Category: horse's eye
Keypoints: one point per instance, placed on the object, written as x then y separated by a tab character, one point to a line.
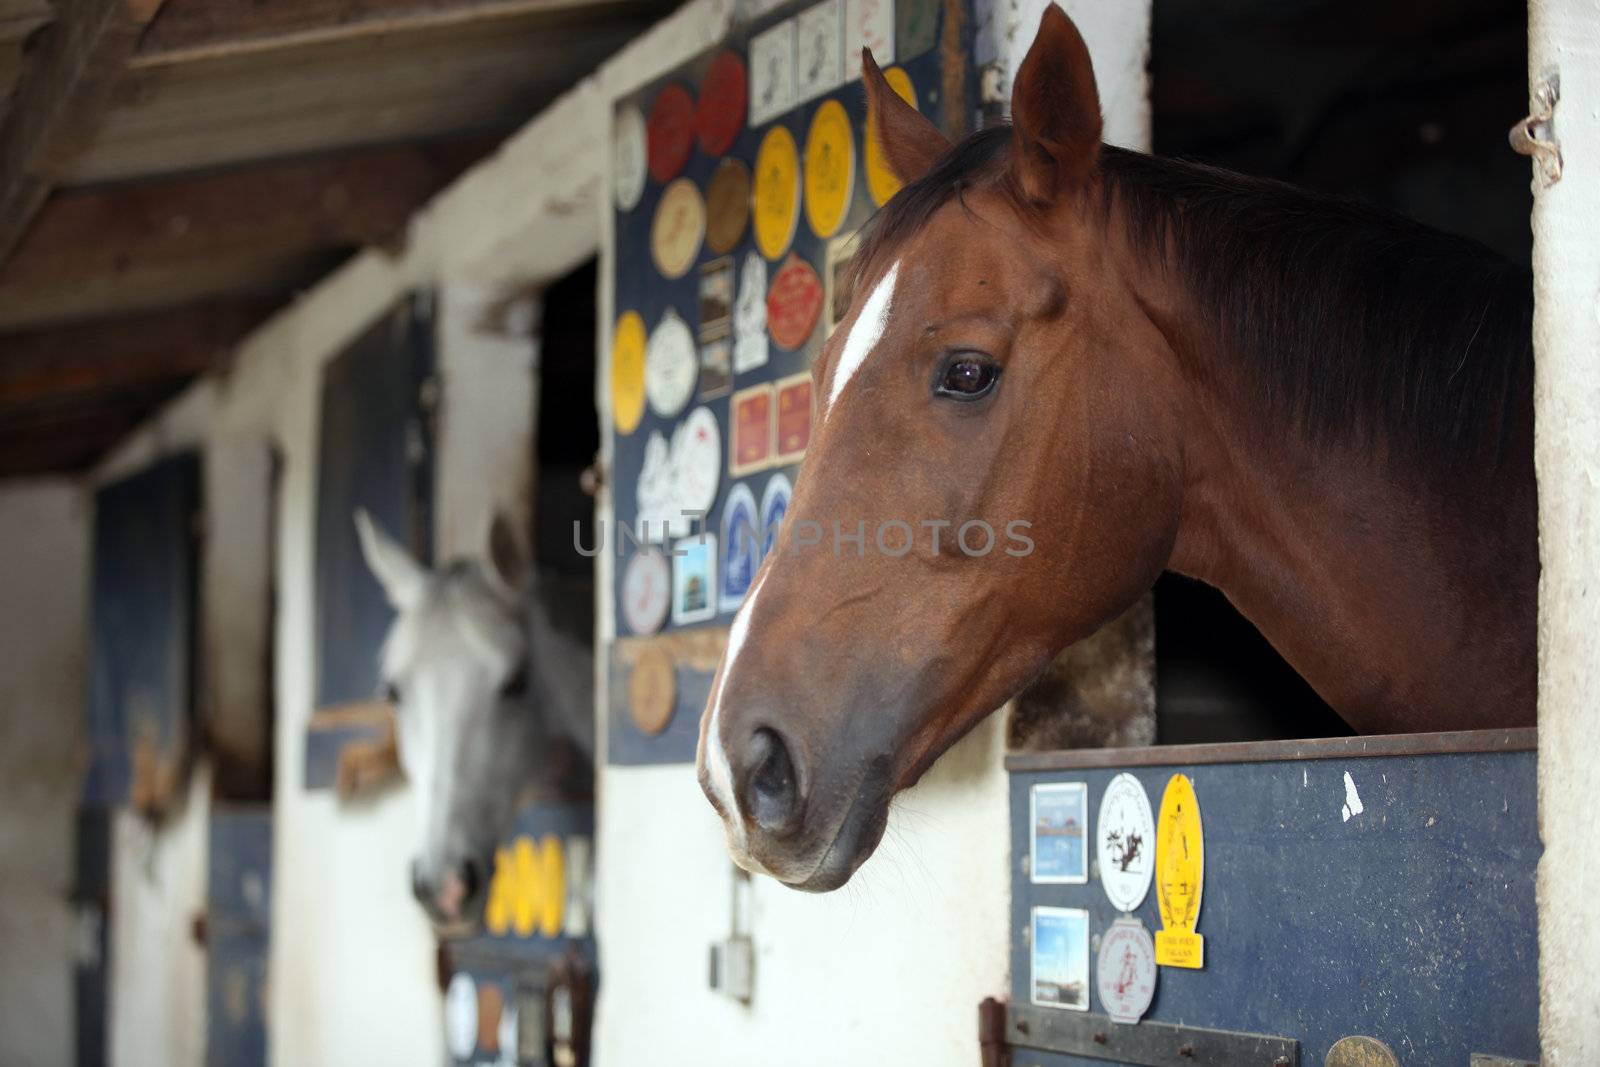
391	693
967	377
517	684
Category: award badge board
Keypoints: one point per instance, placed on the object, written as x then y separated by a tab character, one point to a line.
737	178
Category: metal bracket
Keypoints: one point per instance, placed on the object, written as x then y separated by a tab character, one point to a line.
1535	135
1147	1044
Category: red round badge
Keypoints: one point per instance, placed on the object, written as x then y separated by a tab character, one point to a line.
794	303
670	132
720	114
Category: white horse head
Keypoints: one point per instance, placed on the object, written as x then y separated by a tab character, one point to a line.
493	704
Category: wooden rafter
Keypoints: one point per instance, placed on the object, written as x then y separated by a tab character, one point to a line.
190	30
60	99
100	252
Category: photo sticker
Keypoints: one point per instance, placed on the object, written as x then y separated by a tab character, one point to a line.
1058	817
716	296
1060	972
694	569
716	366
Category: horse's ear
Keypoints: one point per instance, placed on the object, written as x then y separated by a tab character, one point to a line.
508	565
908	141
1055	111
403	578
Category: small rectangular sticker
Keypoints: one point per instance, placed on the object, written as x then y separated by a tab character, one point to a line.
694	570
716	373
716	297
750	430
867	24
819	49
772	84
1057	834
794	412
1059	953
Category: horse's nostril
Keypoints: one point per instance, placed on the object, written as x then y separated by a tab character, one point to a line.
471	879
772	795
419	889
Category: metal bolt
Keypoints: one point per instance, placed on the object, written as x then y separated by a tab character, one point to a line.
1099	1039
1186	1051
1022	1026
1283	1061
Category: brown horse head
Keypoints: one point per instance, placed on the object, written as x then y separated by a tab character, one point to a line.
994	474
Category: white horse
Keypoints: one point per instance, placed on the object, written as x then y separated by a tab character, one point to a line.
491	676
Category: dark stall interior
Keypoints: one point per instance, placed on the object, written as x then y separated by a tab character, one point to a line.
1404	105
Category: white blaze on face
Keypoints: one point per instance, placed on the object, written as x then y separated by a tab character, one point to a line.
719	769
865	333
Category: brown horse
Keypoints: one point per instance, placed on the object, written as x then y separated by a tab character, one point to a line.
1067	368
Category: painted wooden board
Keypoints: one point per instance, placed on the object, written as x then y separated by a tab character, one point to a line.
1387	895
375	453
539	934
141	691
238	934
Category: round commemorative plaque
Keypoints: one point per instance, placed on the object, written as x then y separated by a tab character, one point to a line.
677	229
628	158
830	169
646	591
1125	971
461	1016
794	303
775	201
652	689
671	367
727	205
627	372
720	114
696	465
670	132
1125	842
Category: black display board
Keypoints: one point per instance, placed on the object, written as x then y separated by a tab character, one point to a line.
723	98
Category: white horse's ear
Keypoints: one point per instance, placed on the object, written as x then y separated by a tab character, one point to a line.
402	577
508	564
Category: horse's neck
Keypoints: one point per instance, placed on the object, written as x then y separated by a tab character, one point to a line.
562	679
1407	604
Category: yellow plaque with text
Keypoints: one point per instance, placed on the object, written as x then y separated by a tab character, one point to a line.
1180	876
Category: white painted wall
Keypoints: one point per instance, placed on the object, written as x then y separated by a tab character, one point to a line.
157	979
893	966
44	627
1564	42
352	960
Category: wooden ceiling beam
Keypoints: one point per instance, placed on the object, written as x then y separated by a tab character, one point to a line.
120	249
60	99
42	368
192	30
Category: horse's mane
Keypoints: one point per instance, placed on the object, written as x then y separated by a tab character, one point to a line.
1353	321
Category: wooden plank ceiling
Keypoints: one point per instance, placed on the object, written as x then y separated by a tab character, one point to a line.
171	172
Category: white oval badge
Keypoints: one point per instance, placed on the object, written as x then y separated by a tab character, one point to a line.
671	366
1125	971
1125	842
628	158
461	1016
696	468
